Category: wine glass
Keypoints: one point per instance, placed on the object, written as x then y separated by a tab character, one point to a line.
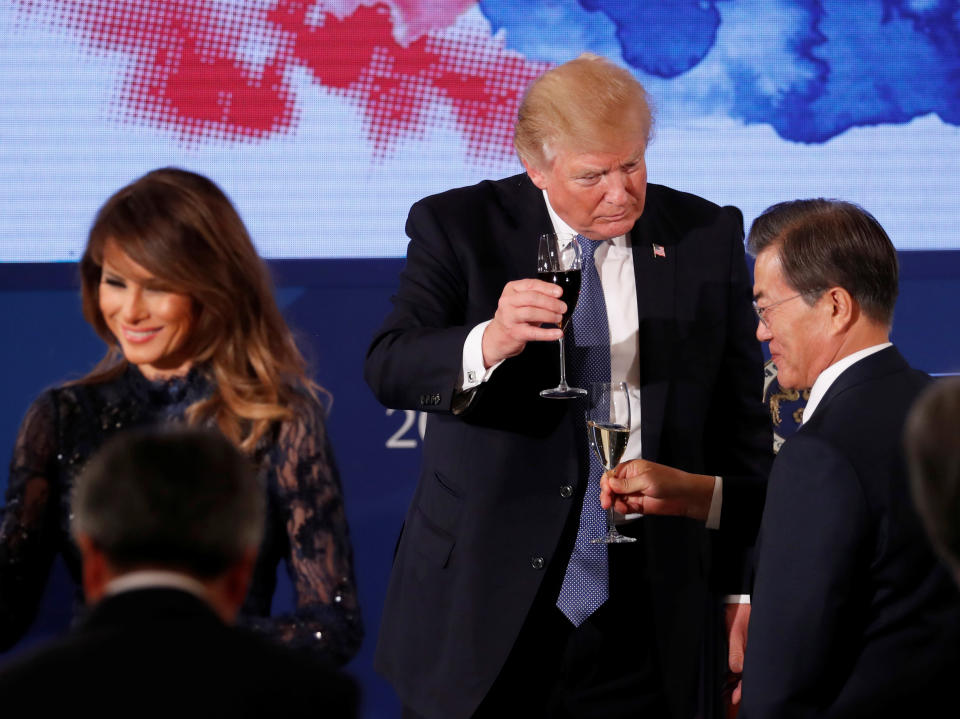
608	429
560	265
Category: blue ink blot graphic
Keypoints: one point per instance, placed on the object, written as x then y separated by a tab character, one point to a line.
810	69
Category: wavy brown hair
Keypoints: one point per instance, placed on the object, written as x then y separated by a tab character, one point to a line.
183	229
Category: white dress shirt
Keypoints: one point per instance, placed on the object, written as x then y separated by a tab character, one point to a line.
156	579
614	262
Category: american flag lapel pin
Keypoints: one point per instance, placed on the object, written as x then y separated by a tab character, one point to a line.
658	251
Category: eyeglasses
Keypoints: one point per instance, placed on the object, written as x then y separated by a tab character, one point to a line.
762	311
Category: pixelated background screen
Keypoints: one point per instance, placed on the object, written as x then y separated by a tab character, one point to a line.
324	121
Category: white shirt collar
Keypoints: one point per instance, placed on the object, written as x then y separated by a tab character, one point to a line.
156	579
830	374
565	232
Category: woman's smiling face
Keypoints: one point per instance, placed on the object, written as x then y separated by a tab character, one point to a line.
150	321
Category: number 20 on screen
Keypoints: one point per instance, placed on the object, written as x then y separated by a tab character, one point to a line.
406	437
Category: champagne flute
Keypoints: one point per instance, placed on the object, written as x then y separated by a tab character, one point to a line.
560	265
608	429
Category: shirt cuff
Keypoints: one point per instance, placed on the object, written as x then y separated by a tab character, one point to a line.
472	372
716	504
737	599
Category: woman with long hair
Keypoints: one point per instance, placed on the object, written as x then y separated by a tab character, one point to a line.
172	283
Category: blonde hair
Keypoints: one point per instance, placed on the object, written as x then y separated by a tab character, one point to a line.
583	103
183	229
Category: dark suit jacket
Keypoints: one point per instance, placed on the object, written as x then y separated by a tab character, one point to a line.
164	653
493	498
853	616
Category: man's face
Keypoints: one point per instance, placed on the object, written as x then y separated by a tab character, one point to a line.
800	341
601	193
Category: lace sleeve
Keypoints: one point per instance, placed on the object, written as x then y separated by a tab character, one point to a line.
28	522
320	561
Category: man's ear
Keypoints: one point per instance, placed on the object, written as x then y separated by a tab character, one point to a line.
537	175
96	569
844	310
228	591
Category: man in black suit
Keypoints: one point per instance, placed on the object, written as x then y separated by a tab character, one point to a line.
498	603
933	450
168	524
853	616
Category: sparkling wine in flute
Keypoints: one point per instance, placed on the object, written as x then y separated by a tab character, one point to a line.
608	441
569	282
608	431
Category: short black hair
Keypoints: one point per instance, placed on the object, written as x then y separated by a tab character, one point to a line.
831	243
183	498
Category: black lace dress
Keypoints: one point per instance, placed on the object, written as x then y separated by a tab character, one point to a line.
306	524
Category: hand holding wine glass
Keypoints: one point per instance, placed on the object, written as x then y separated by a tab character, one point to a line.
560	265
529	310
608	430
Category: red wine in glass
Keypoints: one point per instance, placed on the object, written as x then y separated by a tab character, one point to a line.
559	264
569	282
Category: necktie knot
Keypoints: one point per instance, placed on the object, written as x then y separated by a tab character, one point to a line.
590	341
588	247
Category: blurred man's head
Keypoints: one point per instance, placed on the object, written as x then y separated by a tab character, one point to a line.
182	500
582	134
825	285
933	450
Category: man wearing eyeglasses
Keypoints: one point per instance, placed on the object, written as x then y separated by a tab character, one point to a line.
852	614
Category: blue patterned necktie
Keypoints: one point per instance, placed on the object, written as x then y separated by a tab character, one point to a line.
586	582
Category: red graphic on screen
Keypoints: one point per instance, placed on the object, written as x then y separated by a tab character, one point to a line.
224	71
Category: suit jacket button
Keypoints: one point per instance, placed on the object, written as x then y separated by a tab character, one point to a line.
566	491
536	562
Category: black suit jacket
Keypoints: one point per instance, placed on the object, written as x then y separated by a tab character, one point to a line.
164	653
493	497
853	616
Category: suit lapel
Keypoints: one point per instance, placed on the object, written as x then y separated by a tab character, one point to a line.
656	279
524	205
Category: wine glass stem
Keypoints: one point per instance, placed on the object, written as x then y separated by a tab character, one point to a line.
563	366
611	521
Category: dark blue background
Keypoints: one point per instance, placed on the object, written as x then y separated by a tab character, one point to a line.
334	306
